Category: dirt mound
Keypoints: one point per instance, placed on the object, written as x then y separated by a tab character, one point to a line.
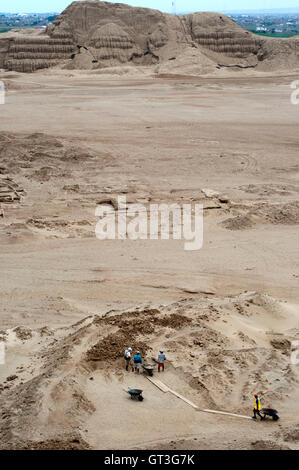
111	348
282	214
217	366
268	445
241	222
131	327
291	433
54	444
114	34
52	388
287	214
23	333
36	150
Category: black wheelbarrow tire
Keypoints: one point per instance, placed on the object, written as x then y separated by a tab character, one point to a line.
140	397
275	417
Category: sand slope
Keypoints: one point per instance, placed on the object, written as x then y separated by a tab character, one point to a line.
73	393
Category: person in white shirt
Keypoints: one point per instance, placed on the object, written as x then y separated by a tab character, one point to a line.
128	355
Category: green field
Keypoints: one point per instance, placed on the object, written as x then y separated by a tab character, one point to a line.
4	29
275	35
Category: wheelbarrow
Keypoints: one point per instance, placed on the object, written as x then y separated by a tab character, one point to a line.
149	368
270	412
136	394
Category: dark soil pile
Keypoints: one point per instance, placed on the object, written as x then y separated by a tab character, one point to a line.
131	325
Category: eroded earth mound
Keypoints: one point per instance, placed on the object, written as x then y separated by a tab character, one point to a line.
93	34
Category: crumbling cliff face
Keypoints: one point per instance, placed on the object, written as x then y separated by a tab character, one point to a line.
4	47
117	34
29	54
221	34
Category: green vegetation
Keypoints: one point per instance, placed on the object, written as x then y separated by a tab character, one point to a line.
52	18
10	21
4	29
274	35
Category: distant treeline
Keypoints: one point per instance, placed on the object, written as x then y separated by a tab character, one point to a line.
4	29
274	35
28	22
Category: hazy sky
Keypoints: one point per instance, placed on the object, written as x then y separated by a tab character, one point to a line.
24	6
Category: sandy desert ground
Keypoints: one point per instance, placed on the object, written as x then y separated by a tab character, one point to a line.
225	315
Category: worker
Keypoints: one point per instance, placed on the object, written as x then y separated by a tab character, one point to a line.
128	354
137	361
257	407
161	360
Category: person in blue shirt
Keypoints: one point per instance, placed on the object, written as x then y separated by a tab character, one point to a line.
161	360
137	362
